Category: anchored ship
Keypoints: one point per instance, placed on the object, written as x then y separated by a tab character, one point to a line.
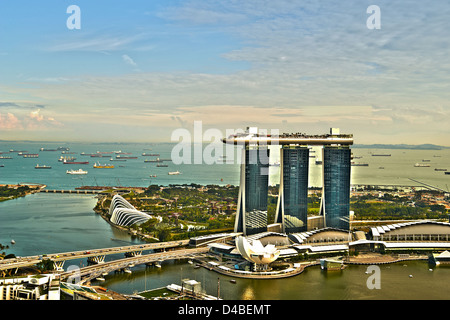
42	167
103	166
79	171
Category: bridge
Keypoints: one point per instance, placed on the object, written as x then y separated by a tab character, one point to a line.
71	191
85	274
93	255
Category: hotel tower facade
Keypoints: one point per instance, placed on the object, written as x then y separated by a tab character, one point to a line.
292	206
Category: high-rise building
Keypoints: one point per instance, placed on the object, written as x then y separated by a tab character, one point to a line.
335	202
251	216
292	207
291	213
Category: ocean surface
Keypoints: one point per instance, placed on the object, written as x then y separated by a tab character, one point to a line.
396	169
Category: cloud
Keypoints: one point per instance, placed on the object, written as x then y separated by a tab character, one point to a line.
9	122
13	105
33	120
93	42
128	60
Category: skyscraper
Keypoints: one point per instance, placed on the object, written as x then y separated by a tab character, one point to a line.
251	216
291	212
335	203
292	207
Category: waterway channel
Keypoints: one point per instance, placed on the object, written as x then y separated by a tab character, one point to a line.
52	223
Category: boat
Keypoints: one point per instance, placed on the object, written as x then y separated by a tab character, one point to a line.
112	159
151	154
62	158
380	155
5	157
42	167
127	270
380	167
12	241
162	165
421	165
153	176
447	172
233	281
75	162
125	157
44	149
100	279
425	160
153	160
360	164
174	173
103	166
437	169
331	264
79	171
30	155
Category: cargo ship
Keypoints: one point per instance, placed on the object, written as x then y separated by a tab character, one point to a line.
174	173
61	159
42	167
103	166
79	171
151	154
30	155
75	162
422	165
154	160
161	165
125	157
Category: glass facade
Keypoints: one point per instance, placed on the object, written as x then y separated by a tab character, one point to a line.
254	188
292	208
335	205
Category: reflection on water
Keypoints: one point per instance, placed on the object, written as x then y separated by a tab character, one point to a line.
313	284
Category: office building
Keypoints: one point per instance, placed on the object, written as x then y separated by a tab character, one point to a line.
335	202
251	216
292	207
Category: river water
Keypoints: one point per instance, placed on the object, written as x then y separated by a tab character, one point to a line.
52	223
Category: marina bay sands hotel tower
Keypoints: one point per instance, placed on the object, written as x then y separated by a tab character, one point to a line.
291	213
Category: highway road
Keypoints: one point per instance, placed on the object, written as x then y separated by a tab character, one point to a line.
19	262
90	272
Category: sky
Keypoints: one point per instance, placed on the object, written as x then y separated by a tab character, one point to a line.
136	71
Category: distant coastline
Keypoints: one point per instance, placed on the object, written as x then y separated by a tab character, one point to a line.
426	146
401	146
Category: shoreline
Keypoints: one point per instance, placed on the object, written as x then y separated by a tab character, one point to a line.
380	260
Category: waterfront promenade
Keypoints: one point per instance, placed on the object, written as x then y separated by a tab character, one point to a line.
298	268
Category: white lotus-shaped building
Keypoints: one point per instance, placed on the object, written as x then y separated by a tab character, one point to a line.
124	214
256	253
